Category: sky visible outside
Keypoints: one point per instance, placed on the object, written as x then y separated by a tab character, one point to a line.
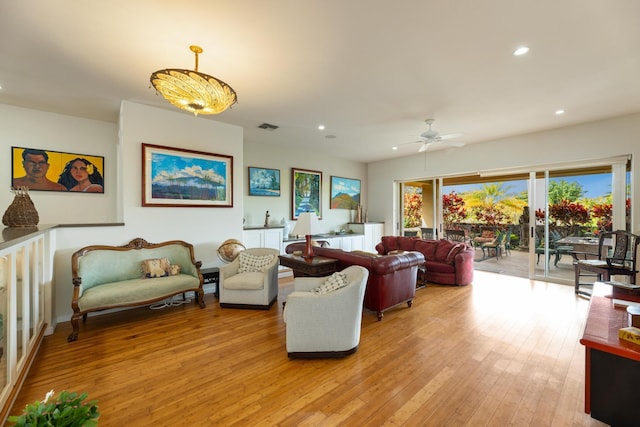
594	186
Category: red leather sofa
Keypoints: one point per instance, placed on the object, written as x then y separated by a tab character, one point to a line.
446	262
392	278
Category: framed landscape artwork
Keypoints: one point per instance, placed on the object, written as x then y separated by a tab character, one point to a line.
306	191
345	193
264	182
46	170
185	178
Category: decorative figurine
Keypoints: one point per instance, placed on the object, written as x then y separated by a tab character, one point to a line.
266	219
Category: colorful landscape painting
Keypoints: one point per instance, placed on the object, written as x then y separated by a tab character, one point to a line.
264	182
345	193
175	177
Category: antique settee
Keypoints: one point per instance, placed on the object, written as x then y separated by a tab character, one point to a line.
446	262
138	273
392	279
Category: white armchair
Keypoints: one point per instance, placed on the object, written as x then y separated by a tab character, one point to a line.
250	289
325	325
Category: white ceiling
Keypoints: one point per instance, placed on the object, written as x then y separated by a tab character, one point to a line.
371	71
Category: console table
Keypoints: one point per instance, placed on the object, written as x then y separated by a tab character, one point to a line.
311	267
612	366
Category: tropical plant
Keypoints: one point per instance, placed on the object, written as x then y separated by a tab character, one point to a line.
453	210
603	213
412	207
570	214
66	409
492	197
560	190
492	215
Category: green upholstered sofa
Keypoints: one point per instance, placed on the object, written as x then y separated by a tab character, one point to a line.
106	277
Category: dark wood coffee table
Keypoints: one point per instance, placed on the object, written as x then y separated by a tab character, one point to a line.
317	266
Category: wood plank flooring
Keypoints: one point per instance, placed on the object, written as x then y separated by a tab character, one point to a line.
503	351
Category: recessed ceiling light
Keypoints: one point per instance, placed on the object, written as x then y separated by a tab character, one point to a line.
521	51
321	127
394	148
559	112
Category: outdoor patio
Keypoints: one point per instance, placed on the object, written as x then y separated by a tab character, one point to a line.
517	264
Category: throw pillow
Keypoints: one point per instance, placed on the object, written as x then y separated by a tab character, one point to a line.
334	282
174	269
250	263
155	267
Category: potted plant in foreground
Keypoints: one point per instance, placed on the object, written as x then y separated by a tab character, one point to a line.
66	409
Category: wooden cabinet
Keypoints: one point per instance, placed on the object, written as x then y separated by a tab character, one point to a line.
263	237
372	232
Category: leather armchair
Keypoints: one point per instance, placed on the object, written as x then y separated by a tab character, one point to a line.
325	325
392	278
257	290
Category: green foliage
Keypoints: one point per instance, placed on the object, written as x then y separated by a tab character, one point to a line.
560	190
412	207
67	409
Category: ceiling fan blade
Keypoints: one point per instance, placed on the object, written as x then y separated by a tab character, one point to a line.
450	136
423	147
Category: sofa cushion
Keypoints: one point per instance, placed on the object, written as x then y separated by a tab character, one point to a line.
444	246
455	250
438	267
250	281
427	248
390	242
253	263
334	282
407	244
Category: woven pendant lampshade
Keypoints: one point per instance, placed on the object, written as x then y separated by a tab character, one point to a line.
193	91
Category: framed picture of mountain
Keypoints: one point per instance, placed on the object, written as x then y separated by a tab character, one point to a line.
345	193
185	178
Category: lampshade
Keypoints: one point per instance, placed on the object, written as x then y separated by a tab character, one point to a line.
190	90
307	224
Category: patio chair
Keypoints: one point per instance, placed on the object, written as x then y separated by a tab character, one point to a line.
540	250
456	235
427	233
560	249
617	254
496	245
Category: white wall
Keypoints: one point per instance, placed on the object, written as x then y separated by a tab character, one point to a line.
585	142
257	154
21	127
205	228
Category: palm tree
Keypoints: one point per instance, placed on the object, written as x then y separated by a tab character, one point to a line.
493	196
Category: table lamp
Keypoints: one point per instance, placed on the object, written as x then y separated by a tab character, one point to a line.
307	225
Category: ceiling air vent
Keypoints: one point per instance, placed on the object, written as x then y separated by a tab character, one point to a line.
267	126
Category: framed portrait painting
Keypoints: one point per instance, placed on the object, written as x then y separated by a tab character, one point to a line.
47	170
345	193
306	191
264	182
185	178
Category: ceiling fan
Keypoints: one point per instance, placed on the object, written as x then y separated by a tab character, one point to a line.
431	136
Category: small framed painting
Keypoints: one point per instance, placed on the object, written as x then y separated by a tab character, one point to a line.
46	170
306	191
345	193
264	182
186	178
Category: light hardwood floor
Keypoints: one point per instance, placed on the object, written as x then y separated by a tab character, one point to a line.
503	351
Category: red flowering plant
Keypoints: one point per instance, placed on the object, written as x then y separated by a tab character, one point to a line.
570	214
491	215
604	214
540	215
412	209
453	210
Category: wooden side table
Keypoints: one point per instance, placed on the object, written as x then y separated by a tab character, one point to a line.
317	266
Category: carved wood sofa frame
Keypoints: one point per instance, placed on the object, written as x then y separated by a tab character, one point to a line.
106	277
